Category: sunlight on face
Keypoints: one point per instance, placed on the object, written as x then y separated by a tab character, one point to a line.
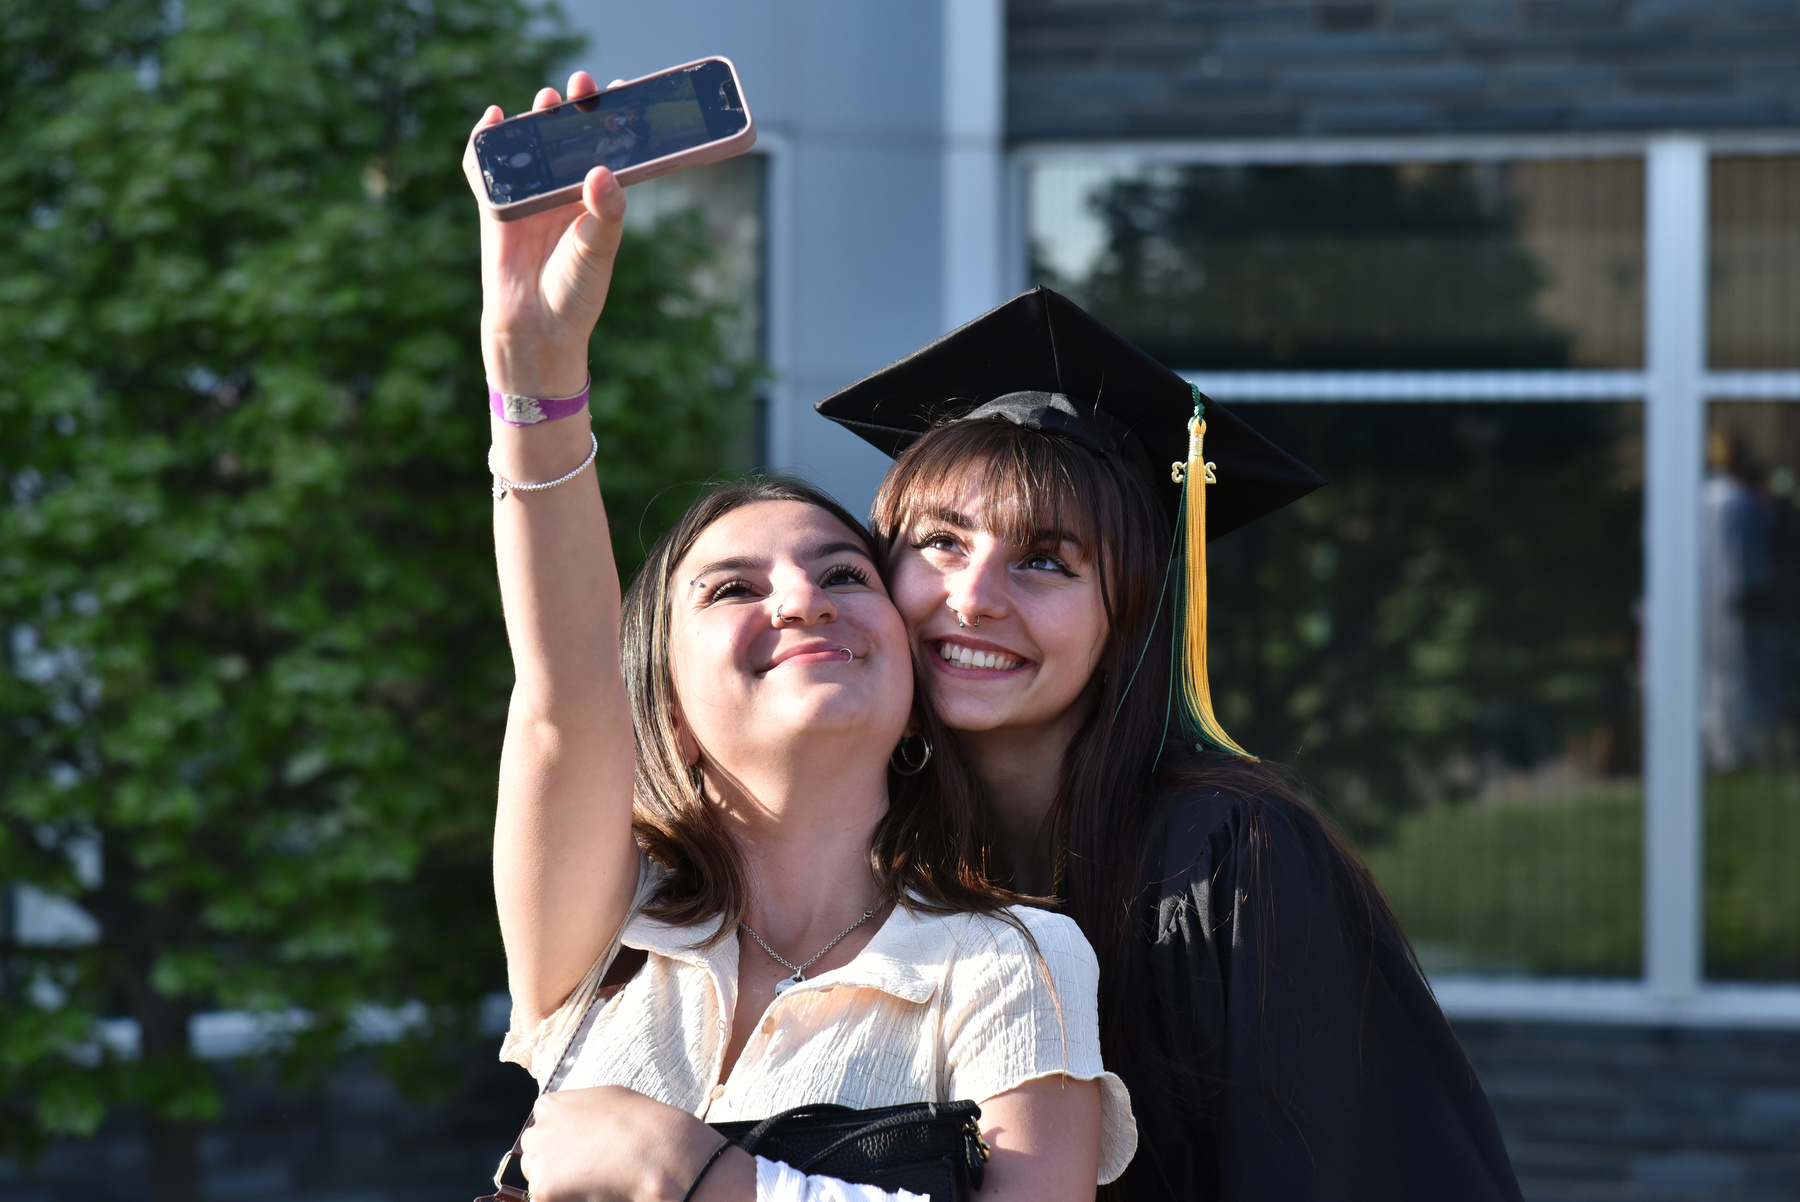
1042	619
835	663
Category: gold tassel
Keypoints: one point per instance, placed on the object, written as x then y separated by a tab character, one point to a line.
1199	725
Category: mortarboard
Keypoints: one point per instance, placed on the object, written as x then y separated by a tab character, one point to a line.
1041	362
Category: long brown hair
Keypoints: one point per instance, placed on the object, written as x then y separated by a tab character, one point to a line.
924	850
1122	767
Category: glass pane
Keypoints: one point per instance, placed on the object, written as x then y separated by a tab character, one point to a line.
1754	318
1750	707
727	198
1444	643
1535	264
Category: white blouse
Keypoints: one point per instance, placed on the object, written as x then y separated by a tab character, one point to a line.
933	1009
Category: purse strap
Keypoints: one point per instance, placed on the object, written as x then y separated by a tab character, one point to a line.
502	1191
975	1149
879	1125
753	1137
625	966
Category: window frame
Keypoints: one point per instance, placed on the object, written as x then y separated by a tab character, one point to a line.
1675	385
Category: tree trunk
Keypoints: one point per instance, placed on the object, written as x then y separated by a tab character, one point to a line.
175	1173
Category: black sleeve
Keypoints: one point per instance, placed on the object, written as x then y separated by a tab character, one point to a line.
1314	1061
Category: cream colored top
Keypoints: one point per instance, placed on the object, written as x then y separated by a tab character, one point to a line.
934	1009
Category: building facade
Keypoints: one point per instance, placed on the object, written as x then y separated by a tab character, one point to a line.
1521	278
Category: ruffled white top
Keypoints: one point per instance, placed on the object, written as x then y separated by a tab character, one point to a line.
934	1009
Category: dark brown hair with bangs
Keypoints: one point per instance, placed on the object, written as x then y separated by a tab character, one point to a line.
1034	483
925	848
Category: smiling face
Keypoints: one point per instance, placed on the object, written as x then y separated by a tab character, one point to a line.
1011	629
752	684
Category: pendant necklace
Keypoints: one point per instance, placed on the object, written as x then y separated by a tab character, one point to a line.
799	970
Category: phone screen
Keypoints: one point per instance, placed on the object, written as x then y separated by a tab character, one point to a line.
620	128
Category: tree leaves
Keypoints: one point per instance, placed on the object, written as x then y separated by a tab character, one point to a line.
245	568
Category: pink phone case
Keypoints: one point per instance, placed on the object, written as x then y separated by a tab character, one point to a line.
637	173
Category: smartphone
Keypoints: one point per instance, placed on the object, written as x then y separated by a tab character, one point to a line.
682	117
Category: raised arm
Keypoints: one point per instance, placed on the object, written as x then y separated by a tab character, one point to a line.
565	864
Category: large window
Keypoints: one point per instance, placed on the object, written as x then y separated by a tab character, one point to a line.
1536	648
1389	265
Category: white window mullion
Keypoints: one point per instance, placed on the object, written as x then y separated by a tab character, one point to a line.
1675	439
974	252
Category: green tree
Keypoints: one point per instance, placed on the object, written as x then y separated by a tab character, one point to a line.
245	577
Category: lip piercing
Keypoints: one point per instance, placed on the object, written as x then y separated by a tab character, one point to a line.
849	655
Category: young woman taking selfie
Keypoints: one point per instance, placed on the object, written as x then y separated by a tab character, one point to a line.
793	878
1257	995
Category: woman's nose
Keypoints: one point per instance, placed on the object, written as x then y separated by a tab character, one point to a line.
978	590
803	605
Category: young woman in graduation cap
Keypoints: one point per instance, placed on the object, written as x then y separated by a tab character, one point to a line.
1045	526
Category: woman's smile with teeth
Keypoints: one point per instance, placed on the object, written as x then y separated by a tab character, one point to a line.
968	657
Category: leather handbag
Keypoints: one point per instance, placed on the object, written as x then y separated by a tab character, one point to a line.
930	1148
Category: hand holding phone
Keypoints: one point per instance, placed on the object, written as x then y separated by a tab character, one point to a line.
545	277
637	129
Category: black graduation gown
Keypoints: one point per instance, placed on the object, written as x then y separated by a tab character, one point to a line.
1319	1064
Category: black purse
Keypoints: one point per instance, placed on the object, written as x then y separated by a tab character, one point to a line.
930	1148
925	1148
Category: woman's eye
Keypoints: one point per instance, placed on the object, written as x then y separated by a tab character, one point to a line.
936	542
1043	561
843	575
729	589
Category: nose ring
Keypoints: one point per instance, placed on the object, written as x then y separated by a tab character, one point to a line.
849	655
781	617
965	625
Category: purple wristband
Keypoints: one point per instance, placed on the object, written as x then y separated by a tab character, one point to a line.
530	410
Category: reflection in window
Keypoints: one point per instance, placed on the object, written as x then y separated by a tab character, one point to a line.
1754	311
1407	265
1443	641
725	200
1750	701
721	204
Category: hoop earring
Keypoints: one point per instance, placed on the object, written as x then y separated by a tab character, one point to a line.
903	764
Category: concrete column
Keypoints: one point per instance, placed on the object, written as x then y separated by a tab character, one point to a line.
974	201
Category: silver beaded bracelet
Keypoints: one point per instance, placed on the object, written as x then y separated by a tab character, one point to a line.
501	483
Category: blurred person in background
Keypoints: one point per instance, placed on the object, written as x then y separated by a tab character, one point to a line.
723	767
1739	698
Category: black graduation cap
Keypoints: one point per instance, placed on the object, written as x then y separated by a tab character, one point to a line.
1040	361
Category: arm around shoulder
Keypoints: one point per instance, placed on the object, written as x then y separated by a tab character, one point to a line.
1022	1037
